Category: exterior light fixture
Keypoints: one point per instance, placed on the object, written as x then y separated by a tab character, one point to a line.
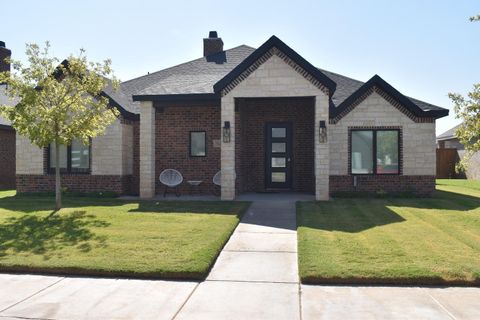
323	131
226	132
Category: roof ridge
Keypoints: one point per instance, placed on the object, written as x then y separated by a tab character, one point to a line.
181	64
341	75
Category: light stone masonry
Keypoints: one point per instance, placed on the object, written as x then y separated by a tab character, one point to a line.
419	155
147	150
29	157
274	78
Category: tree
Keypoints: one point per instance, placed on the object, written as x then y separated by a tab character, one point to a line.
468	109
59	102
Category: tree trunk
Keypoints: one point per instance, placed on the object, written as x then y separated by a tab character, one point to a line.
58	187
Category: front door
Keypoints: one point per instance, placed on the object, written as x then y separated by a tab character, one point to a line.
278	157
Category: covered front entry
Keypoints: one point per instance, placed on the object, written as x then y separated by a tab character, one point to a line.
275	144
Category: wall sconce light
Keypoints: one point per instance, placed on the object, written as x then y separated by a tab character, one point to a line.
226	131
323	131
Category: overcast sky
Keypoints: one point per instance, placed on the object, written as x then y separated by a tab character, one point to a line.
425	49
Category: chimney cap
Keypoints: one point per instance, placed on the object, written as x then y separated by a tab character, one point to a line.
213	34
2	44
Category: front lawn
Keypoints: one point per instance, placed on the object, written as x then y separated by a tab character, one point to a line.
102	236
393	241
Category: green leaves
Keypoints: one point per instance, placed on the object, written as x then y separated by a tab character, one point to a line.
59	101
468	109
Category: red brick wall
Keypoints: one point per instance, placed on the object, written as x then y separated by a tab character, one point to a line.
172	145
252	116
417	185
74	183
7	159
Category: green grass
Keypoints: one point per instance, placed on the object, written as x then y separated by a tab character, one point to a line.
433	241
101	236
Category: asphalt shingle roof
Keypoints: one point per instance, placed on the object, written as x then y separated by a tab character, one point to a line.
449	134
199	76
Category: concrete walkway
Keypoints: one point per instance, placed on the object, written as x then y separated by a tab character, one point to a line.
255	277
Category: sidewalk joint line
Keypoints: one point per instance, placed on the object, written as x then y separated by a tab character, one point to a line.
186	300
441	305
252	281
30	296
261	251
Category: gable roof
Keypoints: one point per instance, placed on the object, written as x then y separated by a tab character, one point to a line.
410	105
200	79
262	50
449	134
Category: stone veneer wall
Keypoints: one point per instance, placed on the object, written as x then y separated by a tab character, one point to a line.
172	146
418	157
111	164
274	76
250	146
7	159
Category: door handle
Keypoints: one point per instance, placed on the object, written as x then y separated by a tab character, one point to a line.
288	159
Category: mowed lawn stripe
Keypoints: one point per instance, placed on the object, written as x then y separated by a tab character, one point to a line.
391	240
96	236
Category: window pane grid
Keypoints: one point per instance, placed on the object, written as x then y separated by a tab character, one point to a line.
375	151
74	158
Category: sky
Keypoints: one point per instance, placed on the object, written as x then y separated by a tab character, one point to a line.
425	49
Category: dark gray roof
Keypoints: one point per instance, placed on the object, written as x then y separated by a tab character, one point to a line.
449	134
196	76
346	86
199	76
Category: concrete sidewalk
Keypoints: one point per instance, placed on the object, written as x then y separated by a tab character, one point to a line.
255	277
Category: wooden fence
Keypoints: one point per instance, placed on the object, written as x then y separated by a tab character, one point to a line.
446	160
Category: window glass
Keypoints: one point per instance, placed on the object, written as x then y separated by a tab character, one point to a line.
279	147
362	152
63	156
278	162
387	152
279	132
197	144
80	155
278	177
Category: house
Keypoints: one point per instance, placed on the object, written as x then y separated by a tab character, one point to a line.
450	151
266	117
7	133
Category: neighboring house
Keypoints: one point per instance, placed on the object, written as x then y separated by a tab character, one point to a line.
450	151
266	117
7	134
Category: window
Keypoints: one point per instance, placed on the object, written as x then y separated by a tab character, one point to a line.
375	151
198	145
73	159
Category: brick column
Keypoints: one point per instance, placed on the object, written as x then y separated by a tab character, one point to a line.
228	150
147	150
322	150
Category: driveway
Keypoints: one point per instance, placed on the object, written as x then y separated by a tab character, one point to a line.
255	277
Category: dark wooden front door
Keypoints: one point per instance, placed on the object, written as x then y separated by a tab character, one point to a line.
278	155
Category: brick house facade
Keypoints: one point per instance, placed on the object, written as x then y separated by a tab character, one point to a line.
267	118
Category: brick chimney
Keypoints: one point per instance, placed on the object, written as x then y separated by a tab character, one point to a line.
213	44
4	53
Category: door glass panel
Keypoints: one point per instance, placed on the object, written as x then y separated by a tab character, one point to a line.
278	177
278	162
279	132
279	147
